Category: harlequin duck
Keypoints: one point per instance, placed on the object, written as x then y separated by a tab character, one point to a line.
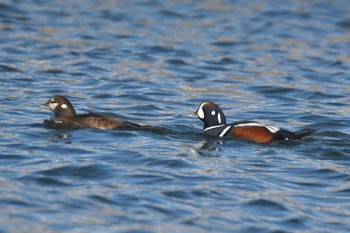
215	125
65	117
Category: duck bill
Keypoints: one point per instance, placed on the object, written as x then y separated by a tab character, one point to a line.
45	105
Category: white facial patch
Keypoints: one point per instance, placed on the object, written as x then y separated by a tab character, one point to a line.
213	113
200	112
53	106
64	106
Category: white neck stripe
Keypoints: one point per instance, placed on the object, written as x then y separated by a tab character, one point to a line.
213	127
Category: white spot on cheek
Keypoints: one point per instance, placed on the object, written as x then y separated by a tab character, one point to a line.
53	106
213	113
64	106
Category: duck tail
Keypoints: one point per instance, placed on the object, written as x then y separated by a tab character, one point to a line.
303	133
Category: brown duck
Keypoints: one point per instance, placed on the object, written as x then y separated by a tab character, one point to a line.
66	117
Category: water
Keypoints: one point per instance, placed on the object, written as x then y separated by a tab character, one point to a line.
153	63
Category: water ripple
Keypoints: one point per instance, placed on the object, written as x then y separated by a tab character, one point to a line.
153	63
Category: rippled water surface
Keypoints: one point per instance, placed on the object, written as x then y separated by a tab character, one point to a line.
154	62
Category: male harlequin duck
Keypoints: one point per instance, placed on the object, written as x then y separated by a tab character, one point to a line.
215	125
65	117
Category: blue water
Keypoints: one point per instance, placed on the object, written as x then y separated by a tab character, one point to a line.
153	63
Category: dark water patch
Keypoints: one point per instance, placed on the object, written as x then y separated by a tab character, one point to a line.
95	69
148	179
344	24
182	132
11	14
336	64
282	91
194	178
8	68
89	172
309	184
296	223
214	68
227	43
3	6
345	192
320	77
54	71
103	96
103	199
171	13
145	57
170	163
226	61
14	202
277	13
156	49
99	53
177	62
125	157
208	193
123	36
178	194
113	16
331	174
334	136
17	51
147	108
12	158
336	155
327	128
51	57
135	97
44	181
126	200
267	207
324	62
160	49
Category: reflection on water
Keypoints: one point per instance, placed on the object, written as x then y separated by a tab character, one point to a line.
153	62
60	138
